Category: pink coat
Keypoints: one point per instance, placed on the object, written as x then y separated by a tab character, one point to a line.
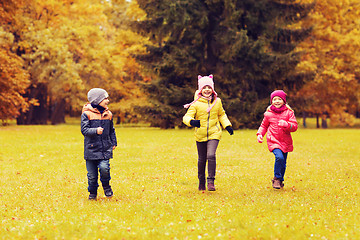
278	137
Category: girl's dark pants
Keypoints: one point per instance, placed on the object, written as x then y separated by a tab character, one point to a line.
207	152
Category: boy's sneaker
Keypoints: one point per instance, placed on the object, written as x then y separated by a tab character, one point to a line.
108	192
276	183
92	196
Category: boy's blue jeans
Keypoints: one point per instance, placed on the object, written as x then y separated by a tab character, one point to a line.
280	163
93	168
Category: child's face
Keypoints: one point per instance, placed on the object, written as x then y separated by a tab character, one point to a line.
206	91
104	103
277	102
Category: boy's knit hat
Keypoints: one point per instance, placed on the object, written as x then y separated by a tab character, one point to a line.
96	95
278	93
202	82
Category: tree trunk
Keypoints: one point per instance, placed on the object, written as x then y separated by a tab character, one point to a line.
317	121
35	114
120	118
304	119
58	112
324	122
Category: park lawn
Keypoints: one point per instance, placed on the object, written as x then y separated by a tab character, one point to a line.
43	192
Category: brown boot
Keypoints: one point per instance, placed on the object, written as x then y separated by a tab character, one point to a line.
276	183
202	186
211	187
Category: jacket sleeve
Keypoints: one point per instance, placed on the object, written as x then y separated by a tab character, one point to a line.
224	120
263	126
293	125
190	115
86	130
112	133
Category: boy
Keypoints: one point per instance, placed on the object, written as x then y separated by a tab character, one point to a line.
99	140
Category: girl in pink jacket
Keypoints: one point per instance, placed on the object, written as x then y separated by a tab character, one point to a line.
279	121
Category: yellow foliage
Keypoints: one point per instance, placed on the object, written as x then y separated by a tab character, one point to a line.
71	47
135	12
331	53
13	79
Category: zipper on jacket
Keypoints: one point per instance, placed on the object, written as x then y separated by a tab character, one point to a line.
217	126
208	123
101	137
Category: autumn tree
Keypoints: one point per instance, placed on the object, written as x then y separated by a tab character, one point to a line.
43	42
13	78
128	44
331	55
246	45
69	47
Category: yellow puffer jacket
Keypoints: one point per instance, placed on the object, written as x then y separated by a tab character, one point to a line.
209	121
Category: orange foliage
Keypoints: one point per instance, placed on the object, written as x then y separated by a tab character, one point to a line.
69	46
332	55
13	82
13	77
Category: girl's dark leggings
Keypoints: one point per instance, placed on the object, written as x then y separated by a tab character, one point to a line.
207	151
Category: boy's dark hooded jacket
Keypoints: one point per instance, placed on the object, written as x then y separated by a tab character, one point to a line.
97	147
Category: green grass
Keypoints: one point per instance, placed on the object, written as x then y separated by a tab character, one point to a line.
43	193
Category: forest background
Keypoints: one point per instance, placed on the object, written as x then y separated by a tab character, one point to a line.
147	55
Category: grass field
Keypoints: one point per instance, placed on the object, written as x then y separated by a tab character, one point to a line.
43	191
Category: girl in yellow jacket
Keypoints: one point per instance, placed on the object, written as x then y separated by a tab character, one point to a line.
206	113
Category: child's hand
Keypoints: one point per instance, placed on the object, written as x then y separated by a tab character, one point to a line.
230	130
260	138
283	124
195	123
99	130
